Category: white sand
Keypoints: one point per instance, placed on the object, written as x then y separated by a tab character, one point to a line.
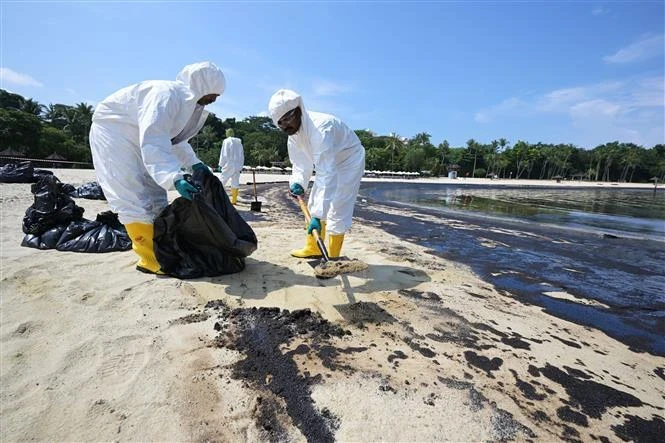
246	177
89	351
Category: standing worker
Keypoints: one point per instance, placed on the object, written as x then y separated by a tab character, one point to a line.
231	161
139	142
320	142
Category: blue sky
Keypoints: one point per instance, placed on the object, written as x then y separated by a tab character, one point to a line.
557	72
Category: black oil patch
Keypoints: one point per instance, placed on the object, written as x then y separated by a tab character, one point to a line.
395	355
505	426
660	372
424	351
419	295
328	355
482	362
516	342
361	313
260	333
591	397
641	430
567	414
527	389
533	371
268	421
570	343
577	373
191	318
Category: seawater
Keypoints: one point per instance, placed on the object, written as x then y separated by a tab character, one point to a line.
637	213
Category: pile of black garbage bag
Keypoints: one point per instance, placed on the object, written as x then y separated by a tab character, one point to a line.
21	172
25	172
90	191
204	237
54	221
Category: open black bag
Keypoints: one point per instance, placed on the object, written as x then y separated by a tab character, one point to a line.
205	237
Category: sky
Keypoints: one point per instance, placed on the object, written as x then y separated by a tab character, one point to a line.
581	72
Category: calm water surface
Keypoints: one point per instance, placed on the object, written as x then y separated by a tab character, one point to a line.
623	212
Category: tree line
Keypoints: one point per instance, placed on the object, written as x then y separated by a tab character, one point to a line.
37	131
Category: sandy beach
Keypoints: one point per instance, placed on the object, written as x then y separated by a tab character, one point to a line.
419	347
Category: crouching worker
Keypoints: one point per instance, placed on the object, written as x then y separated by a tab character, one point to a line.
323	143
231	160
139	141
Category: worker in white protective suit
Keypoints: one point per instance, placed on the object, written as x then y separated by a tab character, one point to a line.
320	142
231	161
139	141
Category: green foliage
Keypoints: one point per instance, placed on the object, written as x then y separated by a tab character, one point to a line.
19	131
38	131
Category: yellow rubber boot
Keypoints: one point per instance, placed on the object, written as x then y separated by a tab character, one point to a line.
311	249
234	196
335	245
141	235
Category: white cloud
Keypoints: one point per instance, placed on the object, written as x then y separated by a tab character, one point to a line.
327	88
593	108
649	46
600	11
16	78
630	110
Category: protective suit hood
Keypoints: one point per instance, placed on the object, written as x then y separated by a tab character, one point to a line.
202	79
282	102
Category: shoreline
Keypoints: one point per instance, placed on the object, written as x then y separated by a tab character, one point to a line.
246	178
432	348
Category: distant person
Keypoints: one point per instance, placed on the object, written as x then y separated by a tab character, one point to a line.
139	141
320	142
231	161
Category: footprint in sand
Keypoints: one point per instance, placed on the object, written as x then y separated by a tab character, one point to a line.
124	360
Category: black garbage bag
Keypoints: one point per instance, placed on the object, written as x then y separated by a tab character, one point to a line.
39	173
22	172
52	207
90	191
46	240
105	234
205	237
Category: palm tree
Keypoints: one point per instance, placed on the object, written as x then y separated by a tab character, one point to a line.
445	148
394	144
32	107
84	113
472	146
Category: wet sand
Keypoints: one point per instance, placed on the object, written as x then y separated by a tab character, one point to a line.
425	345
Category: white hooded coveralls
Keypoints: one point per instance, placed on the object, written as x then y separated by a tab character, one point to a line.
325	144
131	139
231	161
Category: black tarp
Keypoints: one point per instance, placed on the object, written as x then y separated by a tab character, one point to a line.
54	221
205	237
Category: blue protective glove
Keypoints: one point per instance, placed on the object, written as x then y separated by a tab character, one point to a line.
198	166
314	223
296	190
185	188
